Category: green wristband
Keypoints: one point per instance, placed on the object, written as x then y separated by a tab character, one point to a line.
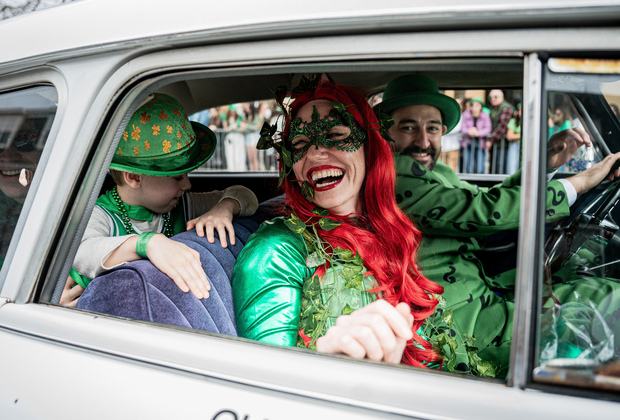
143	241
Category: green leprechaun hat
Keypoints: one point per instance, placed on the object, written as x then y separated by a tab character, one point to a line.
159	140
417	89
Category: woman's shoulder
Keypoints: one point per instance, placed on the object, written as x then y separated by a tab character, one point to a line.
275	231
276	226
272	248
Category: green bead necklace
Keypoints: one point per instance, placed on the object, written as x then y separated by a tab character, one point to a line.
125	216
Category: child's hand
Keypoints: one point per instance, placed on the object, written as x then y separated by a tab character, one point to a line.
181	263
219	217
70	293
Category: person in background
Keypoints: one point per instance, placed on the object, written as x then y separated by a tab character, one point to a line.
475	128
501	113
559	120
234	141
513	135
253	123
451	145
215	120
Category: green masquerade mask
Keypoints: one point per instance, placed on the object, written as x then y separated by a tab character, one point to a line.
348	136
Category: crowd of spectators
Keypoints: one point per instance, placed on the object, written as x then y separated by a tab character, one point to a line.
237	128
486	140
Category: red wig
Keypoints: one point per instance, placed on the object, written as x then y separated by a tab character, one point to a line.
382	235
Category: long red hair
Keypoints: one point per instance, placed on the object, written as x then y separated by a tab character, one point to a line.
382	235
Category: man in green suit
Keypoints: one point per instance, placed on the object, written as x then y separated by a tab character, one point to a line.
456	217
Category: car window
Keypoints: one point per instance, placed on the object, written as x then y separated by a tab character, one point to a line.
237	128
25	119
579	325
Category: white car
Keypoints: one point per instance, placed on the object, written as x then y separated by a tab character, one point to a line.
71	76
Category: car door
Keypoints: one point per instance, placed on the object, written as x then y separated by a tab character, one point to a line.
117	367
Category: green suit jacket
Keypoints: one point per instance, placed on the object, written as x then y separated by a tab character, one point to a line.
455	218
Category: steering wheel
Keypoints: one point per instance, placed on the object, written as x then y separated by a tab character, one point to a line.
594	223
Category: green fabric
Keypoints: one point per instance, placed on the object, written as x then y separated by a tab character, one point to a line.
556	129
267	284
106	202
276	295
454	225
134	212
512	125
159	140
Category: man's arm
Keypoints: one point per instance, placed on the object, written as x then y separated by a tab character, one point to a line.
441	207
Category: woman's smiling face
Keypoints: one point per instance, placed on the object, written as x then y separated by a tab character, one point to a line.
336	175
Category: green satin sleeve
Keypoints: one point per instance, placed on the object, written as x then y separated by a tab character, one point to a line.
267	284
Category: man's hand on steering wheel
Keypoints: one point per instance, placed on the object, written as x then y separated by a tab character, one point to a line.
563	145
593	176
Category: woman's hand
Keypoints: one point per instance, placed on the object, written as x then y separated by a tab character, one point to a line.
378	331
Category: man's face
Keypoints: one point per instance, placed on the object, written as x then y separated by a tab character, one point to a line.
417	132
496	97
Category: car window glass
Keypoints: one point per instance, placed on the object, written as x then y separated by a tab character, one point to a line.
579	327
25	119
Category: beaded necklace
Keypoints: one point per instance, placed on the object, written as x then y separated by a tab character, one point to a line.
125	216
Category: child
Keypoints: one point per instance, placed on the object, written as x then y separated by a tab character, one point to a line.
138	216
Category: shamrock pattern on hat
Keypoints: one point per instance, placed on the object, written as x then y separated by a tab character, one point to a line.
175	134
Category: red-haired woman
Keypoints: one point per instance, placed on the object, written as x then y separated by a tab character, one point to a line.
339	273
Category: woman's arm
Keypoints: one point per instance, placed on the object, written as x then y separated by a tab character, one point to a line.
267	284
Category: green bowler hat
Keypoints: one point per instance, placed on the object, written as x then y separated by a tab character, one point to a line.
161	141
417	89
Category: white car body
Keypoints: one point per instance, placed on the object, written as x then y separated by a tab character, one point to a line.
59	363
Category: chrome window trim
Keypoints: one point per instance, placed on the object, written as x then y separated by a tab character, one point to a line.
529	260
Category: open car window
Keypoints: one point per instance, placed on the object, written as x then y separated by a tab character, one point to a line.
578	331
237	128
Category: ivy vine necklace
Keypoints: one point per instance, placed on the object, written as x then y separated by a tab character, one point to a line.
122	210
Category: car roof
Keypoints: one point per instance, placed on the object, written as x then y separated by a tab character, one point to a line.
102	25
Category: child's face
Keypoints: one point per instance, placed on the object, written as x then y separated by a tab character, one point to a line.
160	194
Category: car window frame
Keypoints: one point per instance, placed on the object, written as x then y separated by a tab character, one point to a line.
571	382
12	265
